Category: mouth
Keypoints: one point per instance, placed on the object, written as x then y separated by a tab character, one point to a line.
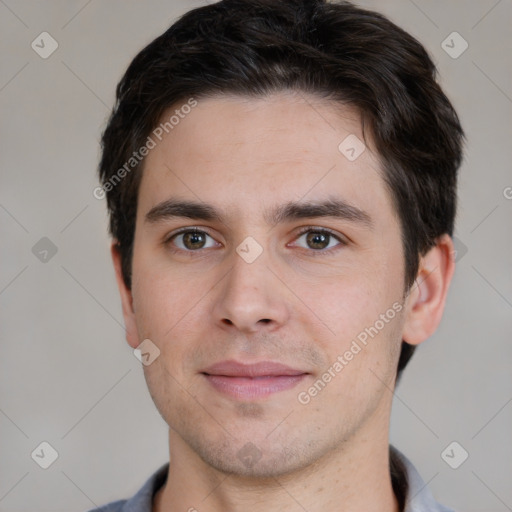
252	381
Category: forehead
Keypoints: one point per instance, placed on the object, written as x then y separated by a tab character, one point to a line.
241	152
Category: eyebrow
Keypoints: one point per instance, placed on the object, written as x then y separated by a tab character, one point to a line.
332	207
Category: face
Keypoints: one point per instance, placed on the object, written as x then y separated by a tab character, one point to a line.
260	243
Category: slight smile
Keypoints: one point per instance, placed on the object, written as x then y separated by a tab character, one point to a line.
252	381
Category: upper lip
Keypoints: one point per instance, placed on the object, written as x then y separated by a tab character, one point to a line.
232	368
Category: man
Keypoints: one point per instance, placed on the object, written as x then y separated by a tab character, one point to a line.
281	181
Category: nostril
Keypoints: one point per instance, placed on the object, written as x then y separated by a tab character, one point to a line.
230	322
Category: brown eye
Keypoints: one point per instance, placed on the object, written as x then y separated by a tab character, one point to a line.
192	240
318	240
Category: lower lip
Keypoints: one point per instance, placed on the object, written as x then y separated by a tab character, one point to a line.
247	388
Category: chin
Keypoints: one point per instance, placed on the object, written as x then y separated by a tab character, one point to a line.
258	460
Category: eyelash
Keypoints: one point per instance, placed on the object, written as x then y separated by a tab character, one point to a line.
307	229
322	231
170	238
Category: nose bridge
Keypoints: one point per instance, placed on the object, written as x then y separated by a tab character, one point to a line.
251	296
250	267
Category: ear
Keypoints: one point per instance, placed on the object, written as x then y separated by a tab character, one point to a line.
427	297
132	336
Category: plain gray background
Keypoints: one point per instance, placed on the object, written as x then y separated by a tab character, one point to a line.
67	375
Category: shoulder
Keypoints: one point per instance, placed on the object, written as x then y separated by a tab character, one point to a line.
142	501
115	506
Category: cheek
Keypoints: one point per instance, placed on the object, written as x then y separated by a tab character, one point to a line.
160	304
364	321
351	302
160	291
361	365
171	310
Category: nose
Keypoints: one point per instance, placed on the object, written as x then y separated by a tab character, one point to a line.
251	297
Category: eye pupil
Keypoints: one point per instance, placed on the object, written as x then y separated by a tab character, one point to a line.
317	240
193	240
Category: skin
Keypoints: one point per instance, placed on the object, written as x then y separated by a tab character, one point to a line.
298	303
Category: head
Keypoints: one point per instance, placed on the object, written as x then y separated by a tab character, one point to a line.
242	108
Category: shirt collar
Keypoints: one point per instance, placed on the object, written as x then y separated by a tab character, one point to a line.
412	490
408	485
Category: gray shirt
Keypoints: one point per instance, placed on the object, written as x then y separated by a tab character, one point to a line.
412	493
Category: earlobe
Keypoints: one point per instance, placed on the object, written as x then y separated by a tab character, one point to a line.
126	298
426	300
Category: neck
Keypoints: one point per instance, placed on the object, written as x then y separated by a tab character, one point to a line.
352	478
